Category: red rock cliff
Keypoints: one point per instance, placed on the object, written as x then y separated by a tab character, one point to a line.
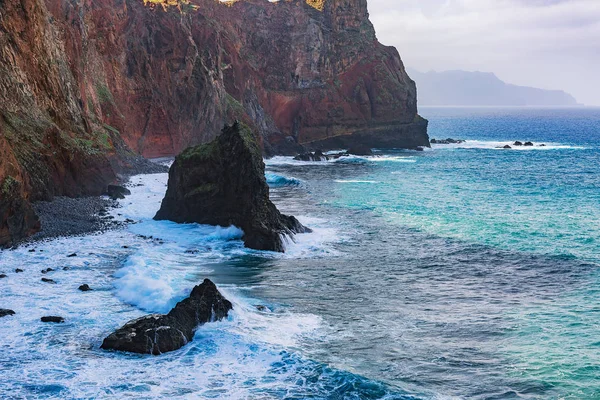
84	83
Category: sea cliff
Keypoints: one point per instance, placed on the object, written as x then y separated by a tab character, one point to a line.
87	86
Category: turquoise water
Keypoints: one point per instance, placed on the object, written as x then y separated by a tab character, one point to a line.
464	271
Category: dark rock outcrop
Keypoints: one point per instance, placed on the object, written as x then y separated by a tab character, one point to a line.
116	192
158	333
312	156
528	144
17	217
5	312
54	319
223	183
2	276
517	143
85	287
47	280
446	141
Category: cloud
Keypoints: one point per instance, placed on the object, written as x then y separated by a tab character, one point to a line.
552	44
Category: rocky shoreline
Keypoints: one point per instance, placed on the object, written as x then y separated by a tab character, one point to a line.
66	216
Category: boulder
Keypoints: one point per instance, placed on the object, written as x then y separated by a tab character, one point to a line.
48	280
117	192
446	141
507	147
517	143
223	183
2	276
85	287
5	312
54	319
360	150
528	144
161	333
18	270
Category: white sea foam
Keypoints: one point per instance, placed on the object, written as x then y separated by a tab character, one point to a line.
398	159
319	243
278	328
282	160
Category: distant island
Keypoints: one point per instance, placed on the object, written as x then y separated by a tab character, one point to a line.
464	88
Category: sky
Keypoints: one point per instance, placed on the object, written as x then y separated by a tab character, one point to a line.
550	44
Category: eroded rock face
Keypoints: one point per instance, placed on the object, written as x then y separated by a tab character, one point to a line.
223	183
17	218
158	333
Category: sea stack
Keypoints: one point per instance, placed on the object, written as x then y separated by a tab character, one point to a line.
223	183
158	333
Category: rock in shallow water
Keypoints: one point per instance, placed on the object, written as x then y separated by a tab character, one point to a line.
5	312
223	183
158	333
85	287
116	192
54	319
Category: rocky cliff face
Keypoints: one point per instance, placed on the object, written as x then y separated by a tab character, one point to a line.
86	84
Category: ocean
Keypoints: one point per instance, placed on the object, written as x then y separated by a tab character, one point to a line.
461	272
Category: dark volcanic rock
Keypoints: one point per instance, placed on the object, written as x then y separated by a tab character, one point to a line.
72	255
56	320
507	147
446	141
4	312
158	333
48	280
310	156
517	143
18	270
223	183
117	192
17	218
528	144
2	276
85	287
